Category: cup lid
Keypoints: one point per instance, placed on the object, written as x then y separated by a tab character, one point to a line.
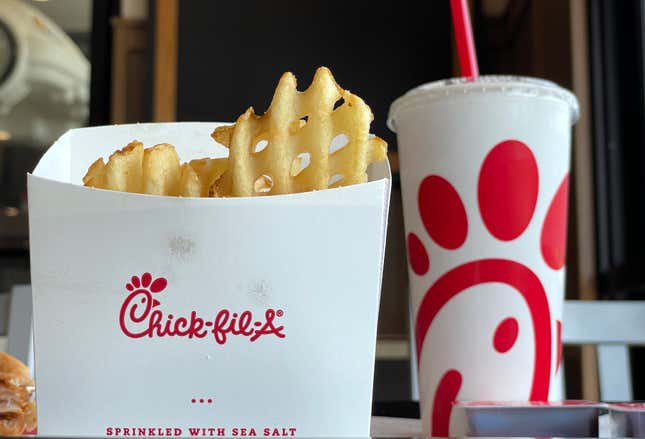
511	85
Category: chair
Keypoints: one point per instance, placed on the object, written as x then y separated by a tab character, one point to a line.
612	326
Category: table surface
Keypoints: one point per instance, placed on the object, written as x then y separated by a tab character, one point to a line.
395	427
383	426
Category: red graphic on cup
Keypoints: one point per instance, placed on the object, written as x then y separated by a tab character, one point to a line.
140	316
507	195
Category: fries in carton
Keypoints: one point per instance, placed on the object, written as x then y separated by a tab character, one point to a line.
186	315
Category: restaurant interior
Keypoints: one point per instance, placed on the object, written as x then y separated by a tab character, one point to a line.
68	64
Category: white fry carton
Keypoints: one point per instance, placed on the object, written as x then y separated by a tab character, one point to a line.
174	316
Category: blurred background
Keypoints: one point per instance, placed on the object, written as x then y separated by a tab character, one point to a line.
72	63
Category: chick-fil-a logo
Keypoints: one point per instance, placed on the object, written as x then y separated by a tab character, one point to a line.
140	316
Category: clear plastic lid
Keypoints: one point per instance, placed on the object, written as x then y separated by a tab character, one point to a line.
509	85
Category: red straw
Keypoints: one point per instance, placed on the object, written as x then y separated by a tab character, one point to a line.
464	38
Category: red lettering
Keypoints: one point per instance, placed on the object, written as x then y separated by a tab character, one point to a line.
181	327
155	323
155	431
140	317
243	431
268	327
166	328
219	326
129	312
246	320
196	326
221	432
284	431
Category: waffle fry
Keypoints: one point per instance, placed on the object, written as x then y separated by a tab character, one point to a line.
189	183
160	168
123	171
298	130
302	143
209	171
155	170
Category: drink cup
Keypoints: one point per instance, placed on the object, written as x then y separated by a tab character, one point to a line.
485	175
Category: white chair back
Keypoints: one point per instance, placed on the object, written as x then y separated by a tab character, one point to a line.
612	326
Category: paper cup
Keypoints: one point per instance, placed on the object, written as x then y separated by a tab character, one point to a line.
200	316
484	176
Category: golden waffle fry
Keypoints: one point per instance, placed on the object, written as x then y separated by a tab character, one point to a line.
189	184
161	170
95	174
287	149
123	171
154	170
208	171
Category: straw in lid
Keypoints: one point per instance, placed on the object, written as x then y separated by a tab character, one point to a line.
508	85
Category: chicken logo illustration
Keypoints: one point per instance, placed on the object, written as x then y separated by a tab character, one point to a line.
140	301
141	316
518	344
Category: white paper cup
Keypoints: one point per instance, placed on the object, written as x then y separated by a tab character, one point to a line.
484	176
287	288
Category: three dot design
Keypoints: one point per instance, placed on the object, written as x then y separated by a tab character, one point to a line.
202	400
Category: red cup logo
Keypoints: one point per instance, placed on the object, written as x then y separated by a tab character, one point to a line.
507	195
